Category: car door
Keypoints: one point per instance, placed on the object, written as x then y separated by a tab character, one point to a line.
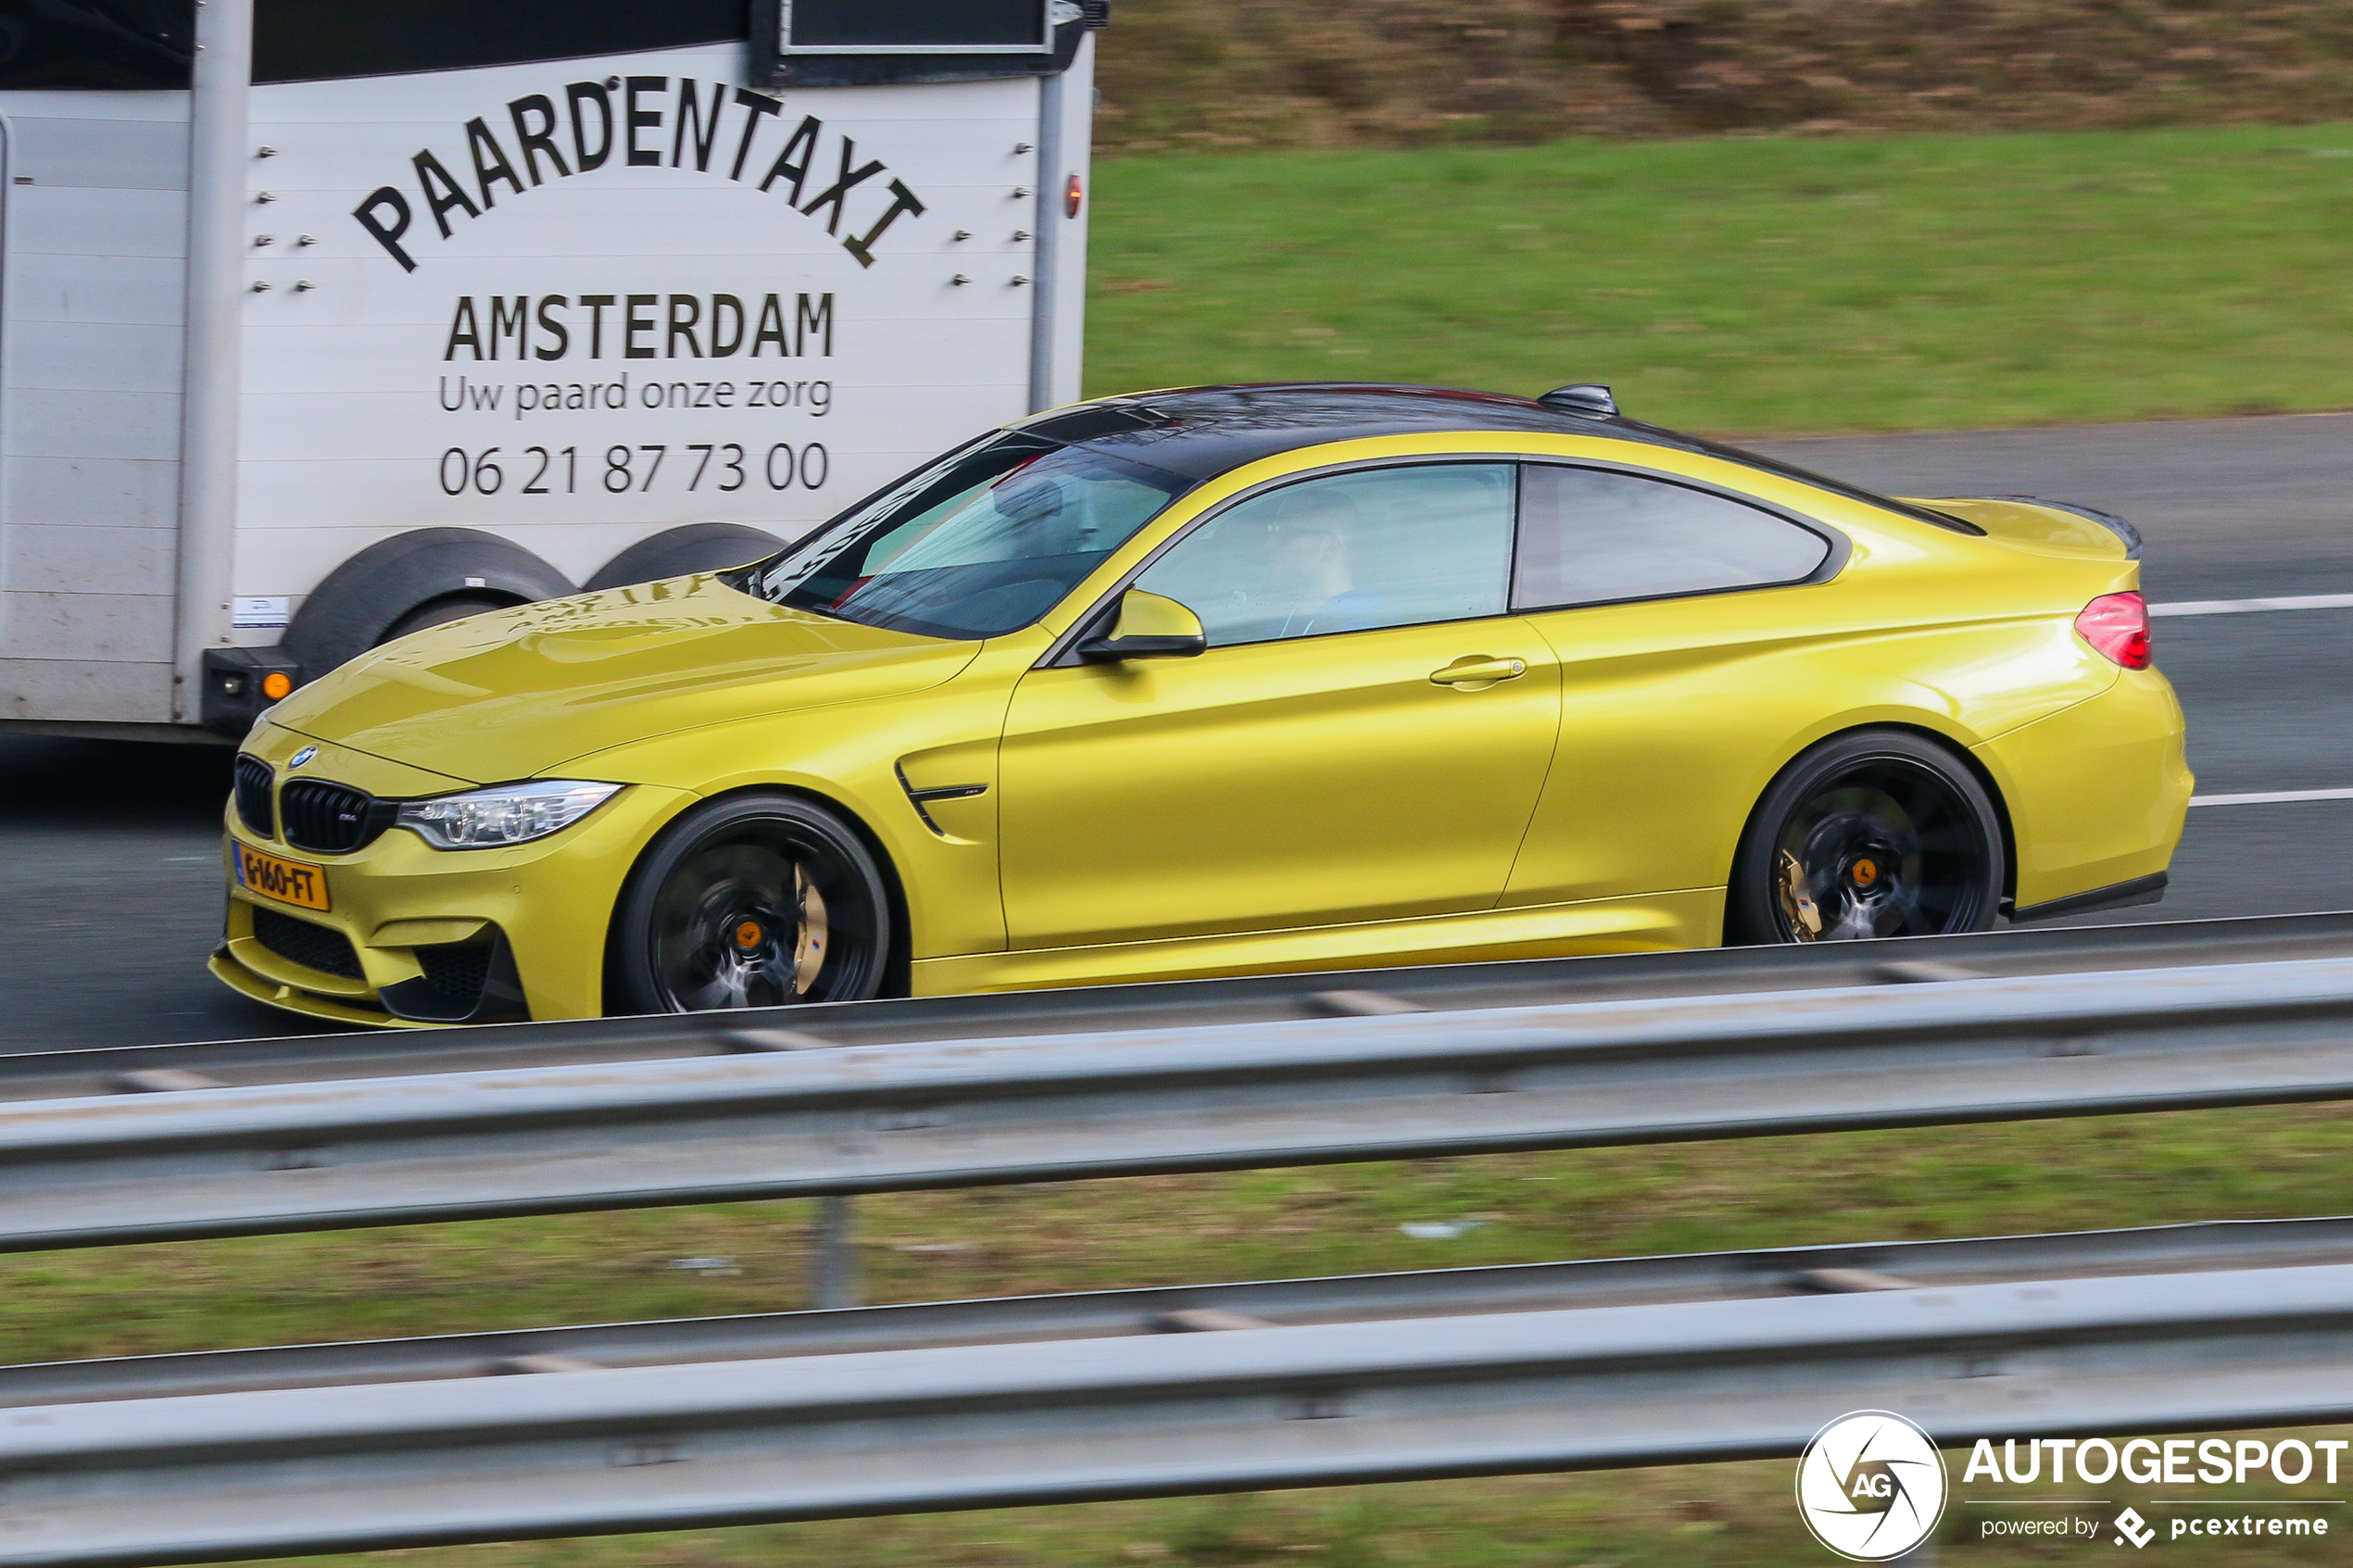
1364	738
1692	644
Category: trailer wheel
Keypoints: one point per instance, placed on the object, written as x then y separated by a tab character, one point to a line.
398	585
675	552
457	606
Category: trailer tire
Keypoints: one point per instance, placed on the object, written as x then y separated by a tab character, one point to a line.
676	552
440	612
381	592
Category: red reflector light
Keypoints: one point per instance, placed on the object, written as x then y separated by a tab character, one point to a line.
1073	197
2118	624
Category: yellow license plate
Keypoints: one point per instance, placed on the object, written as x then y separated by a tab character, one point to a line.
289	882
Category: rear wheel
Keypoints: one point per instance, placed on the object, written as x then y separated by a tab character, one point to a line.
1879	833
760	900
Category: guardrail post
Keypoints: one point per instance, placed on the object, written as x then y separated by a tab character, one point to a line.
837	1254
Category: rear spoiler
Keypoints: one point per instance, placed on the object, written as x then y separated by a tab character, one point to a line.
2110	521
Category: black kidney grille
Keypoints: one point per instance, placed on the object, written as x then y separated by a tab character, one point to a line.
253	795
313	947
329	819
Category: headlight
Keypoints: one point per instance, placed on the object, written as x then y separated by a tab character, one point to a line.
492	819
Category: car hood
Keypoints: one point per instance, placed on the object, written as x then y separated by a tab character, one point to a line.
519	691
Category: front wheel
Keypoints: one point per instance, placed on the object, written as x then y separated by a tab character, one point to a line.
1879	833
760	900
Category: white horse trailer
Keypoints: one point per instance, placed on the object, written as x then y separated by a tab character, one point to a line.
322	320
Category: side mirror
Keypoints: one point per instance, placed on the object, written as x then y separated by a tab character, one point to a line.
1149	626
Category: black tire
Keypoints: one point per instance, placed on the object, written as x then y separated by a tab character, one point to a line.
440	612
676	552
363	601
753	901
1876	833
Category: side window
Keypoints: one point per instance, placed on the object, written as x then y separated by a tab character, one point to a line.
1587	536
1349	552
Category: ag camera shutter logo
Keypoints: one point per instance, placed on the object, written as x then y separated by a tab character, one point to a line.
1870	1485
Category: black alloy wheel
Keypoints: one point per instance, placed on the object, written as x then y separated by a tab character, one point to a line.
752	902
1878	832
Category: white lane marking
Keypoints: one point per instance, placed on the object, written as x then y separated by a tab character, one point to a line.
2272	797
2248	606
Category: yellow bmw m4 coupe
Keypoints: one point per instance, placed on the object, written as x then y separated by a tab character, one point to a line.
1220	680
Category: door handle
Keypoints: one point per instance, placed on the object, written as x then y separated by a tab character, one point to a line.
1475	672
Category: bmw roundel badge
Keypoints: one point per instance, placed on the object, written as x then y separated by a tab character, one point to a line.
299	758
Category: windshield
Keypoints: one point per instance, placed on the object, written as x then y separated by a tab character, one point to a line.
982	542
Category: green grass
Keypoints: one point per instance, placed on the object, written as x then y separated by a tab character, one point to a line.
1722	1516
1344	1219
1754	285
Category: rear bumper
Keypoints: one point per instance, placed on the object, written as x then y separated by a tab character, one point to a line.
2096	794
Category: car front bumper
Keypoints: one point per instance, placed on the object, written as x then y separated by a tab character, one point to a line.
411	928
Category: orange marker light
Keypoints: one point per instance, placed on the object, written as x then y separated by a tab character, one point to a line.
1073	197
276	685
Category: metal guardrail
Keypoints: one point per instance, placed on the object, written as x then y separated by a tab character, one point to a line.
237	1474
42	1074
791	1123
1454	1294
975	1404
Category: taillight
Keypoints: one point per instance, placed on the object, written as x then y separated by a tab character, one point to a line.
2118	624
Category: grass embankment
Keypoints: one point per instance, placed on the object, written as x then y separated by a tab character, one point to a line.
1752	287
1208	74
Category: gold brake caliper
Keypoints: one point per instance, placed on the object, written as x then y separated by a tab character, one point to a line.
1798	900
809	945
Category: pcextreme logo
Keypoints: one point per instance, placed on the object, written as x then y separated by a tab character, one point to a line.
2179	1465
1870	1485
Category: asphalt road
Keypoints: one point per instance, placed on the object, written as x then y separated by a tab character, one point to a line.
2230	508
110	887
